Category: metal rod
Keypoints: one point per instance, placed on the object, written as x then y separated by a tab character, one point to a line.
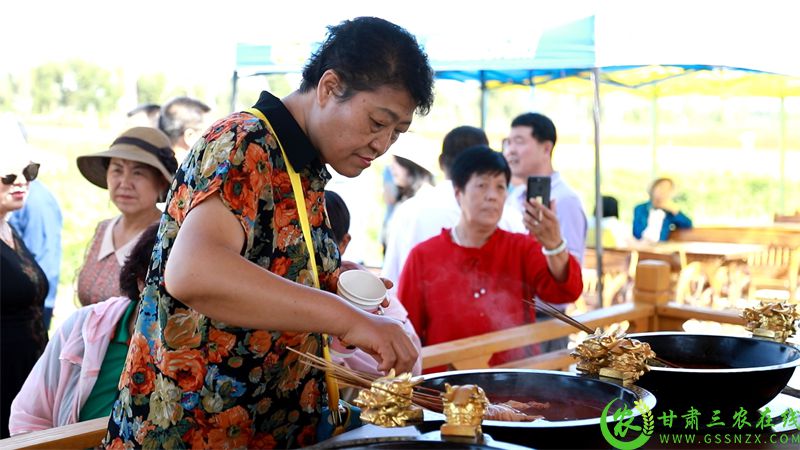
782	143
484	100
234	89
598	196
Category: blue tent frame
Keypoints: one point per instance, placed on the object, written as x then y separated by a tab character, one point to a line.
562	52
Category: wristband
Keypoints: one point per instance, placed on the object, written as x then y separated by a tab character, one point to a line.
561	247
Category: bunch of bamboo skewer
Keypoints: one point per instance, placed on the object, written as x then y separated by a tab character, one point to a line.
557	314
424	397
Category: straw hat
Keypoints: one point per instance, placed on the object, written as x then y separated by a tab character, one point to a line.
141	144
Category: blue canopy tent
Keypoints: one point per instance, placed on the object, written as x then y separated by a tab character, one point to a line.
578	50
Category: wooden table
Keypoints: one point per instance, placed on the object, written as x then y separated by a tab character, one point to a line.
698	250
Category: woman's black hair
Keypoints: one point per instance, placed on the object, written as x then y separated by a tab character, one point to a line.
610	207
417	176
134	271
338	214
478	160
367	53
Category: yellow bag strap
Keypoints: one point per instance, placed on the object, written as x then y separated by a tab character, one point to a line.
299	197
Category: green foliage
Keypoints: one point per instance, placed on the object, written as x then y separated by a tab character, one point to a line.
46	92
77	86
150	88
9	89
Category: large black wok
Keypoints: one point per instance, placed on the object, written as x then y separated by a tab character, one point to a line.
576	404
717	372
428	441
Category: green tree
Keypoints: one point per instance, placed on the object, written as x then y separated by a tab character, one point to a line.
150	88
87	86
9	89
76	85
47	81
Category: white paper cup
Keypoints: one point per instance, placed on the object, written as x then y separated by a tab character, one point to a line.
363	289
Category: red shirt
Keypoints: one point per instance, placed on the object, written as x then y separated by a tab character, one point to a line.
452	292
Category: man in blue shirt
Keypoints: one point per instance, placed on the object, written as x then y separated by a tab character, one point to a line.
39	224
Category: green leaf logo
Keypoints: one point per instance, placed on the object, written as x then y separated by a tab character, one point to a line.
644	436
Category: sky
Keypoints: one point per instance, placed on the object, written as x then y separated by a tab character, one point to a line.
199	37
181	35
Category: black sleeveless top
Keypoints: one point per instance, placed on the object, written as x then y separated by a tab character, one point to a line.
23	288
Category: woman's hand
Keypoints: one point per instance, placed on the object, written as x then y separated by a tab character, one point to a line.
542	223
385	340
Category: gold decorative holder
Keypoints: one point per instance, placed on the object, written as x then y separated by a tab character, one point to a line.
388	401
771	320
613	356
463	407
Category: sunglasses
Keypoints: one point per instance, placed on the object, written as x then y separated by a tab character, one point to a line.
29	172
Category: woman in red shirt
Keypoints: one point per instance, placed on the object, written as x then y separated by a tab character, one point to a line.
472	279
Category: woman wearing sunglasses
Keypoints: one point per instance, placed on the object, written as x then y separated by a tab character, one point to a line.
23	288
137	170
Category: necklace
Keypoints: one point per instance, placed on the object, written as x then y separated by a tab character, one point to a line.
477	292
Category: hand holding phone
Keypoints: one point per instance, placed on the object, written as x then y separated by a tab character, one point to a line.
539	188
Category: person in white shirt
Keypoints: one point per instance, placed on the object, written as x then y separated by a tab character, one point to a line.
412	166
424	215
530	153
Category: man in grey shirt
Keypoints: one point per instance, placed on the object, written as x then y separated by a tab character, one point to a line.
529	152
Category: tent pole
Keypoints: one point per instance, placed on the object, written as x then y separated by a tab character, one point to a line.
654	135
598	197
782	140
484	98
235	81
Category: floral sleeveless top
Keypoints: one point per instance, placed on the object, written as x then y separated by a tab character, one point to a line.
193	382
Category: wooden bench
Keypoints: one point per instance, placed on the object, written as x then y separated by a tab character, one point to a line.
79	435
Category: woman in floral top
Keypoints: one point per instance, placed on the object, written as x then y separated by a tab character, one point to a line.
230	285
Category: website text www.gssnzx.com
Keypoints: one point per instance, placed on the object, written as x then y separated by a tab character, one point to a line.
741	439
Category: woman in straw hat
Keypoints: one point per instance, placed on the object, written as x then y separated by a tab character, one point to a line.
137	170
232	286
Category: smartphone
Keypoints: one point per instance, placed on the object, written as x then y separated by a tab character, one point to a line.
539	188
